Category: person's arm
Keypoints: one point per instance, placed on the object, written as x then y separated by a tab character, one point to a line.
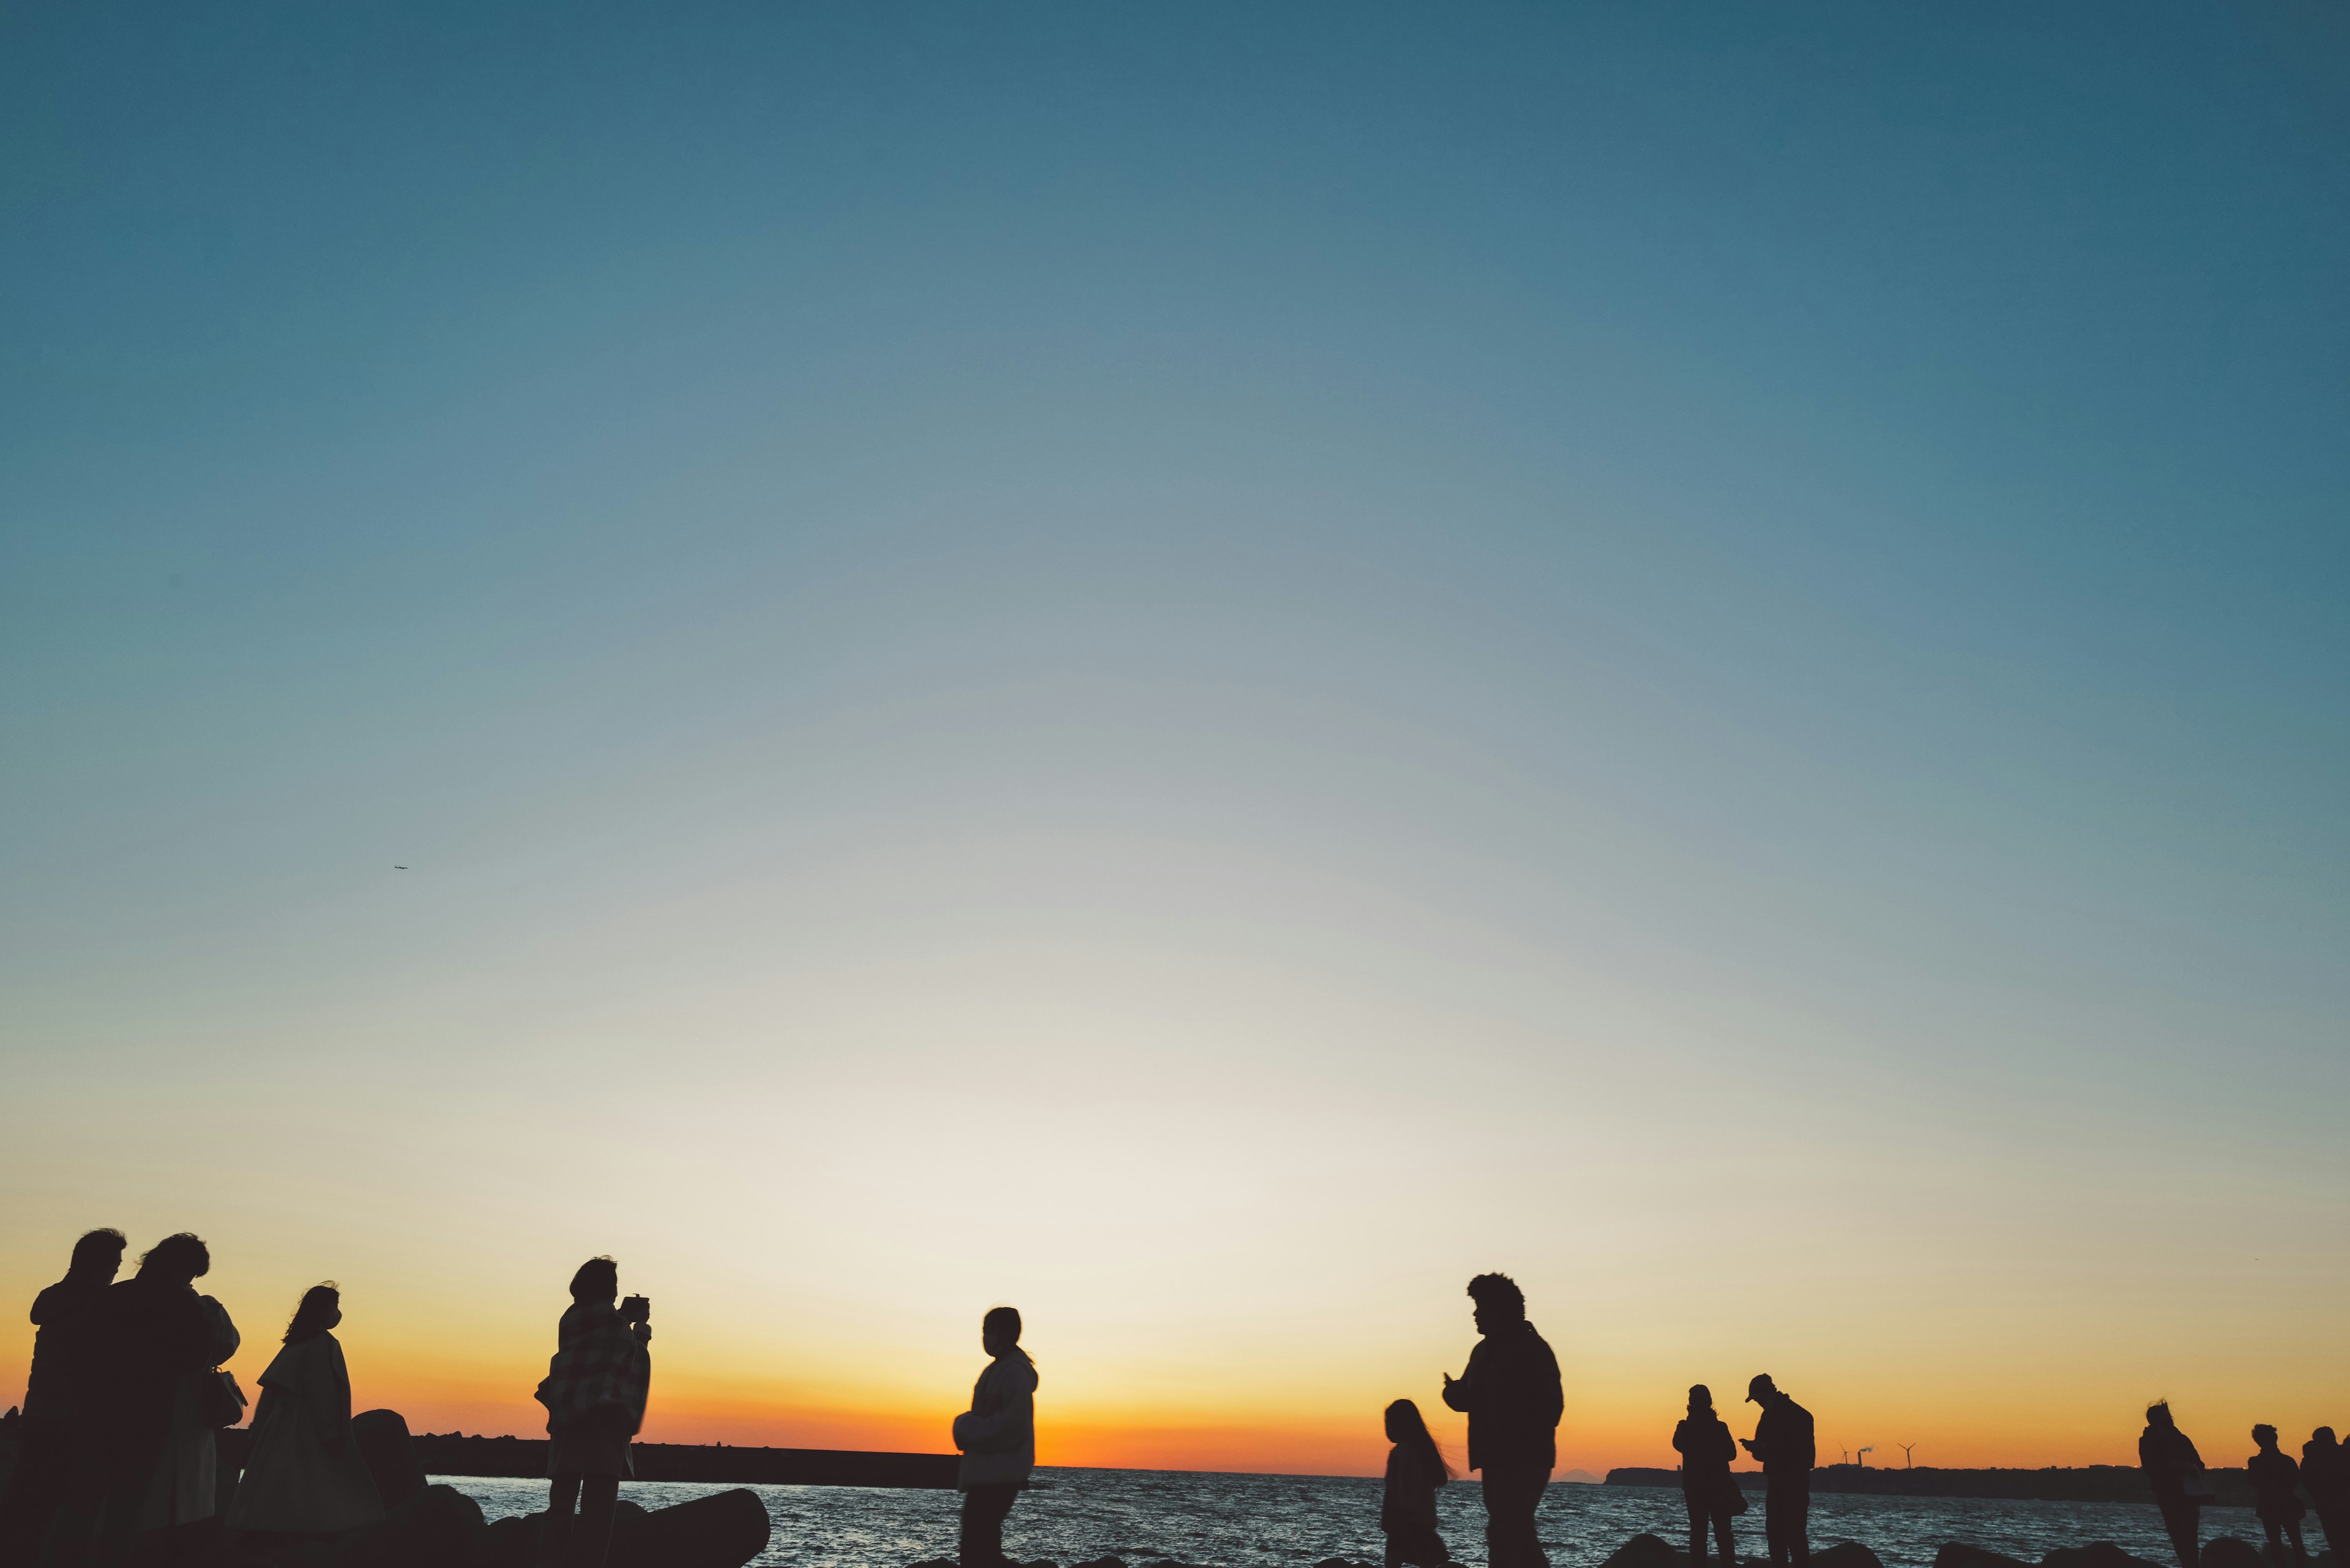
1550	1390
1001	1429
1460	1393
327	1391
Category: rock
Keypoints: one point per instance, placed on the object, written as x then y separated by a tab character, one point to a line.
1104	1563
440	1525
724	1530
382	1438
1961	1554
1647	1552
1846	1555
2096	1554
2226	1552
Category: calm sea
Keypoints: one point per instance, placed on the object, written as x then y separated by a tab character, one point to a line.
1292	1521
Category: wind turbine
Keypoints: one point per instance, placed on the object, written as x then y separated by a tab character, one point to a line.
1907	1462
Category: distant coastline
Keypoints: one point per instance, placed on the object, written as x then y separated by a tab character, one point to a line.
2085	1483
456	1455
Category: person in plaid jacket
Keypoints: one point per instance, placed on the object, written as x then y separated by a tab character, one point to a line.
595	1393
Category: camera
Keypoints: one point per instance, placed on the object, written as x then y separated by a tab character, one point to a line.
636	1309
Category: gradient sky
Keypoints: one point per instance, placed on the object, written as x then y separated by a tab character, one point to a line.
1200	667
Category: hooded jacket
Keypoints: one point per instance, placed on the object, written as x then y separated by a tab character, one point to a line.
998	1434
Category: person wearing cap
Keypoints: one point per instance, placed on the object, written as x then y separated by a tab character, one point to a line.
1782	1443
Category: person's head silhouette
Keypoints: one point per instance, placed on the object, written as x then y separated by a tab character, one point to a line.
176	1261
1761	1391
2322	1437
1407	1426
2158	1414
598	1280
1700	1399
1500	1304
97	1256
320	1310
2264	1438
998	1331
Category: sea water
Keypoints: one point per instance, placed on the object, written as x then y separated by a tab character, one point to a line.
1072	1516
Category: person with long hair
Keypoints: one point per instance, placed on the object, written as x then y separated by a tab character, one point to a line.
56	1400
595	1391
305	1476
1708	1489
1415	1468
997	1436
156	1343
2175	1470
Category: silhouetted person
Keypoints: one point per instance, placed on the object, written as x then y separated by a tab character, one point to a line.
1712	1495
1415	1468
2175	1470
595	1391
2276	1483
56	1400
2326	1477
997	1436
1511	1396
1782	1443
305	1476
154	1343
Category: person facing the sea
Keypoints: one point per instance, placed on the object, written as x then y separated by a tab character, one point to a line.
305	1476
2326	1477
2276	1483
2175	1470
595	1392
1511	1396
997	1439
56	1397
1707	1449
1415	1468
1783	1442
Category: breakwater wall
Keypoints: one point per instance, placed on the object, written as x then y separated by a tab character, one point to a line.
460	1456
2082	1483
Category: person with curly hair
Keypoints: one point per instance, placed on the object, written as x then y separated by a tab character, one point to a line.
1511	1396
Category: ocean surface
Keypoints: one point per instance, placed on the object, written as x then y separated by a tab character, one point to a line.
1072	1516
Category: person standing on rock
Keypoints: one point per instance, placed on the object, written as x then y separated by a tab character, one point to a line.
56	1400
2326	1477
595	1391
1782	1443
997	1439
1708	1489
2175	1470
2276	1493
1511	1396
1415	1468
305	1476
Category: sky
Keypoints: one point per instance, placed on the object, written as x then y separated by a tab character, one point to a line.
1202	669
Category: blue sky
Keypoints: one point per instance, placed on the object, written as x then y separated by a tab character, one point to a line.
1755	574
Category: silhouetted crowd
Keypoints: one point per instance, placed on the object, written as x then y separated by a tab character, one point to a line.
118	1463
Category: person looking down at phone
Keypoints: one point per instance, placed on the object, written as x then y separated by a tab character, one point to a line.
595	1394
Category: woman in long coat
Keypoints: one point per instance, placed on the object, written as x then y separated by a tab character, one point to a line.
1708	1488
595	1391
305	1476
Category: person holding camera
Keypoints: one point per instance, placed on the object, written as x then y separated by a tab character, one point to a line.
595	1394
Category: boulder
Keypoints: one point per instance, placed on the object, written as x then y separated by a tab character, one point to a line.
1961	1554
2226	1552
724	1530
382	1438
439	1526
1647	1552
1846	1555
2096	1554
